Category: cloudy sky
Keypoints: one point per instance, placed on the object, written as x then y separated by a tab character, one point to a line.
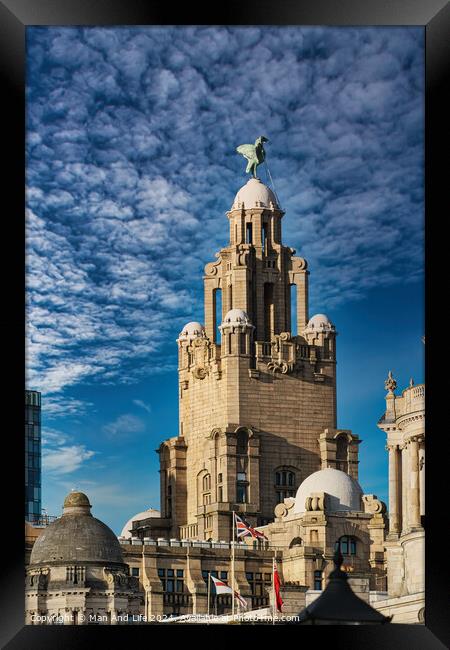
131	166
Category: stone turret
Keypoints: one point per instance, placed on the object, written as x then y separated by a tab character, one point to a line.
245	376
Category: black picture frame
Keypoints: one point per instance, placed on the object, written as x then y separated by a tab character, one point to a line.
15	16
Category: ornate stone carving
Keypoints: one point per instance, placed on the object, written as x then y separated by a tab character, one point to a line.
213	267
280	511
373	505
279	366
200	349
315	502
242	254
116	578
390	384
283	353
299	264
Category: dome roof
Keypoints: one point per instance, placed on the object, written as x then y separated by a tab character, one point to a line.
151	512
191	331
344	492
76	536
76	499
236	318
254	194
319	322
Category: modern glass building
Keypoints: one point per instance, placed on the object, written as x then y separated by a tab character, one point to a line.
32	456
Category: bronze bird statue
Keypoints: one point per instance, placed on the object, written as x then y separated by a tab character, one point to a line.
254	153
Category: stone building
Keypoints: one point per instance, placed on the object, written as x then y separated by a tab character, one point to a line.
328	510
404	425
257	404
77	573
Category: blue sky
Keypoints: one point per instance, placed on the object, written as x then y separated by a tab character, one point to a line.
131	166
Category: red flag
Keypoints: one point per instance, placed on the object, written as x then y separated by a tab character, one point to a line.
276	584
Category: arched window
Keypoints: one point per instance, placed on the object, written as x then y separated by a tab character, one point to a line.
342	453
285	484
346	545
297	541
203	488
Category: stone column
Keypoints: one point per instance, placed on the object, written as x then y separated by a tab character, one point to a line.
302	300
414	511
394	515
405	488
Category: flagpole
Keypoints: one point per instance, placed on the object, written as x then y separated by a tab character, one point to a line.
209	592
232	567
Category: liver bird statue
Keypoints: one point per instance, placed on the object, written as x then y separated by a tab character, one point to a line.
254	153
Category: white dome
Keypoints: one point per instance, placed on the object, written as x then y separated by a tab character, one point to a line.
151	512
319	322
254	194
236	318
344	492
191	331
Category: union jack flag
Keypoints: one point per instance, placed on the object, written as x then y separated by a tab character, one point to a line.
243	529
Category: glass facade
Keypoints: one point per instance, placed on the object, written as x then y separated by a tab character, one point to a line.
32	456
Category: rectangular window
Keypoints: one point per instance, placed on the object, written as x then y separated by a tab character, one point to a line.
265	237
318	580
220	494
344	546
219	478
242	476
241	493
180	573
248	233
135	571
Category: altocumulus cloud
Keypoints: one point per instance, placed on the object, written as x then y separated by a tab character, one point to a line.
131	166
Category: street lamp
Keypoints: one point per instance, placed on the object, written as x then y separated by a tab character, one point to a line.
339	605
